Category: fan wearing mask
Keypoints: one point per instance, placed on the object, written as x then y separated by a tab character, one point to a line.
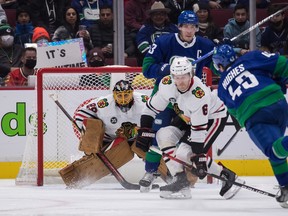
19	77
40	35
10	53
96	58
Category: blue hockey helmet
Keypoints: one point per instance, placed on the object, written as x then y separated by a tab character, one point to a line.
223	55
188	17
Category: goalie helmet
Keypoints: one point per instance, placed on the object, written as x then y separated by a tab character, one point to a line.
123	95
223	55
180	66
188	17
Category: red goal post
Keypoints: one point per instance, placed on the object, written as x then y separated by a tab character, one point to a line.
56	144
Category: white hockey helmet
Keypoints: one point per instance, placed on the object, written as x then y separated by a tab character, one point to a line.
180	66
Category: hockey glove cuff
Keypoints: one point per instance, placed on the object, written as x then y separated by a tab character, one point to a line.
144	138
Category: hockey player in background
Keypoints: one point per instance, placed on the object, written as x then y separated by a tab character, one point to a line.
249	90
203	116
156	64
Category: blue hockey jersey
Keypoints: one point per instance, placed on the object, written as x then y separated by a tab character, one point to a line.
249	84
157	61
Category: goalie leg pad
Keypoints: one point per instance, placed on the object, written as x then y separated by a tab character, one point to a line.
91	136
89	169
83	172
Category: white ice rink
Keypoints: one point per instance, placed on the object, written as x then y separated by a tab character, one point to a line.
110	199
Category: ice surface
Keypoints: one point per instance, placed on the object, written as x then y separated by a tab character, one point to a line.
110	199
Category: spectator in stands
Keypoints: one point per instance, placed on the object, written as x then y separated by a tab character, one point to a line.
223	3
207	28
238	24
70	25
213	4
95	58
274	37
102	34
3	17
71	28
177	6
156	25
9	4
135	15
19	77
89	10
48	13
24	28
10	53
40	35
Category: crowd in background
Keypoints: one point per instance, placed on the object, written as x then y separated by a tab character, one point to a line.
42	21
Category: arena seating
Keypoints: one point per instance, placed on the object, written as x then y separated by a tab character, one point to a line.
221	16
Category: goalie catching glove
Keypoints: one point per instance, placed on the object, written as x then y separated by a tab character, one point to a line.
201	168
144	138
127	130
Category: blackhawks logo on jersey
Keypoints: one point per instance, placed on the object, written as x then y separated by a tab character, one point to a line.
167	80
102	103
144	98
198	92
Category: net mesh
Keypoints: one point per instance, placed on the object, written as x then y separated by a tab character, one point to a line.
60	138
72	88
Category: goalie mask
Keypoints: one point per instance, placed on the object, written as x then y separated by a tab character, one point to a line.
123	95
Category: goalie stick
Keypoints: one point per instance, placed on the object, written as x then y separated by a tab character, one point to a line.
127	185
156	150
242	33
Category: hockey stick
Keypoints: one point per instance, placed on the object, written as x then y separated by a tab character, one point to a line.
242	33
156	150
127	185
237	127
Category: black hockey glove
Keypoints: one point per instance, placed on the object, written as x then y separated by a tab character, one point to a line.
144	138
200	162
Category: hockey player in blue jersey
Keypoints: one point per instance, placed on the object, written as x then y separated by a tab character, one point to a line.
248	88
156	64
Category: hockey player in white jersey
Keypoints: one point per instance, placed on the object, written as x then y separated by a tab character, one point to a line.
108	126
202	113
123	106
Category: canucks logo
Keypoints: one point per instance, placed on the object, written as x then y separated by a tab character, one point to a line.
167	80
198	92
102	103
144	98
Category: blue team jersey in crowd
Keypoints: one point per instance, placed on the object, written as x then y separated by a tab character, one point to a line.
157	61
246	86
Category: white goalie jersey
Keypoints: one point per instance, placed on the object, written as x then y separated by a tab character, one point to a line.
196	106
105	108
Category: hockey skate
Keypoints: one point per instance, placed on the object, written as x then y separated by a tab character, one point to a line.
146	182
179	189
229	190
282	198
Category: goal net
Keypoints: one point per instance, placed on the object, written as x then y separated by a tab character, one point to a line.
53	142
